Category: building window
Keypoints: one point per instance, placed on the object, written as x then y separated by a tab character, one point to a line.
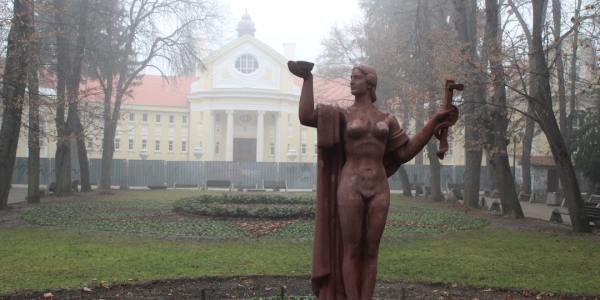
130	144
217	148
316	149
171	119
131	117
184	119
144	144
303	149
117	144
157	145
183	146
272	149
144	117
289	147
90	143
170	146
246	64
157	118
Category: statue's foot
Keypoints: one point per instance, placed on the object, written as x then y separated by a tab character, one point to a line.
300	68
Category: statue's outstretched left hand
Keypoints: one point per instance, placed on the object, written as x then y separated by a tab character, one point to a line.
447	116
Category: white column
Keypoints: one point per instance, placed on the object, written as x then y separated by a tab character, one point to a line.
260	136
209	149
229	137
277	138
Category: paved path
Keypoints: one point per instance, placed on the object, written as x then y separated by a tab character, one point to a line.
541	211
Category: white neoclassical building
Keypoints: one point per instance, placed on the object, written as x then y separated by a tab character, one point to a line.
244	106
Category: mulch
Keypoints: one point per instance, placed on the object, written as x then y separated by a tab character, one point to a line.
274	286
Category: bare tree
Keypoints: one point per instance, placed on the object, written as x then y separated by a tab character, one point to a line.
466	28
342	49
559	67
33	159
541	100
573	71
63	148
497	112
13	91
130	42
529	122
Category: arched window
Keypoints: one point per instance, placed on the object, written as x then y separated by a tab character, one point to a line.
246	64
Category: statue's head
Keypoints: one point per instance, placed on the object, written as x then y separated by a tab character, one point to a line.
370	76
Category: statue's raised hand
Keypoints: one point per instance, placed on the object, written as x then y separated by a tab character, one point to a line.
300	68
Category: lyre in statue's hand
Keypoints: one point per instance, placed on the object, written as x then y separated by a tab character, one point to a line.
301	68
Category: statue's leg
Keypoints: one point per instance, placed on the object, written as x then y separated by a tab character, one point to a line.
351	210
376	218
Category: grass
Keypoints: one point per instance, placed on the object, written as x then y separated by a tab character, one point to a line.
70	255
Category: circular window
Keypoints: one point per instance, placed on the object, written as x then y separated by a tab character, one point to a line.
246	64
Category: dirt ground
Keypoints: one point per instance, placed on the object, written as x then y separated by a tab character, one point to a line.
267	286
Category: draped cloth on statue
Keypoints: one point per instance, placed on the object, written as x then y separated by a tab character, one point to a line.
326	277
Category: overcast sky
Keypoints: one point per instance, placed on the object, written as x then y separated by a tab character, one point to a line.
303	22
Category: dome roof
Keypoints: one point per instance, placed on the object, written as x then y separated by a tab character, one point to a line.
246	26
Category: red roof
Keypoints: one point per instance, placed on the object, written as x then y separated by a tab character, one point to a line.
158	91
542	161
155	90
331	91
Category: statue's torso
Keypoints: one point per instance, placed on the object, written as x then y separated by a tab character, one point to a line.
364	135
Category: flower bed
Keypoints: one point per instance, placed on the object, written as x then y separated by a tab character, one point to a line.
253	206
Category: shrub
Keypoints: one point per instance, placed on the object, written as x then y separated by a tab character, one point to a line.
255	206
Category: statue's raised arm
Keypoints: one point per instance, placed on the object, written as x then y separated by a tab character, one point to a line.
306	108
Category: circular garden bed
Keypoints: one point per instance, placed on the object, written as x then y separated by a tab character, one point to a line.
248	206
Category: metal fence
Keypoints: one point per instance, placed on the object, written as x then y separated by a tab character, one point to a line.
248	174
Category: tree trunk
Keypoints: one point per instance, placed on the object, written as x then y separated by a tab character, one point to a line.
419	123
545	114
406	190
499	116
33	159
434	170
63	155
465	23
560	69
13	91
107	147
573	73
526	152
74	79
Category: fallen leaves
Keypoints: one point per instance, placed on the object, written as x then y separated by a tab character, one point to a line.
258	228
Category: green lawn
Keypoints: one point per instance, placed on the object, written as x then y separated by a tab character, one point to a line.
72	251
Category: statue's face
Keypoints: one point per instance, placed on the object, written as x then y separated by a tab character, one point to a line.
358	83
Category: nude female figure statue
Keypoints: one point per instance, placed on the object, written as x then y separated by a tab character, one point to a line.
353	195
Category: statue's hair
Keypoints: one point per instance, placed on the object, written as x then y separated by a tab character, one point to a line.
371	76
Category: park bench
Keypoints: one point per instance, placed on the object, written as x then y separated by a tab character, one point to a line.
157	187
185	186
455	189
594	199
275	185
248	188
590	210
222	184
52	187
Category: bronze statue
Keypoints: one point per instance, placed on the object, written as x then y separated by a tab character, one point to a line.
358	148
